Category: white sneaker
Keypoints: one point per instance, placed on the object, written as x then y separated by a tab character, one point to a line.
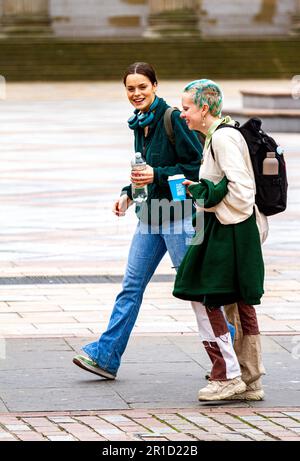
254	392
249	395
89	365
220	390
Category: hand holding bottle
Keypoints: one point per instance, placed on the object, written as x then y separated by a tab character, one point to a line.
139	169
143	177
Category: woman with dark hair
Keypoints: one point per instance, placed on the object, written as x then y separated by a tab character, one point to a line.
157	232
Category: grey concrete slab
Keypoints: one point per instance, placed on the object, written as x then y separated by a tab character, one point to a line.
144	345
288	343
283	372
140	341
269	344
175	384
157	372
3	407
188	344
42	378
32	359
66	399
147	355
193	348
39	345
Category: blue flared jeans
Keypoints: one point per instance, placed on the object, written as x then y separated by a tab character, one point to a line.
146	252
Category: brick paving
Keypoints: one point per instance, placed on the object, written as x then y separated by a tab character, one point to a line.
62	166
83	309
63	163
56	177
144	425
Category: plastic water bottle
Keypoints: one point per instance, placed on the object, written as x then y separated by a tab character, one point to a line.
139	194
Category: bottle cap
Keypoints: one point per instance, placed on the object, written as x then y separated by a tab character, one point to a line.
280	150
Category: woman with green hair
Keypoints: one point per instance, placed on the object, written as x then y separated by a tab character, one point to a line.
226	267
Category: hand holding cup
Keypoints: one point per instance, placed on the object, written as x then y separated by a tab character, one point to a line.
188	183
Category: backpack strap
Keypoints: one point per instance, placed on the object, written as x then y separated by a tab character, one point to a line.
223	125
168	124
170	130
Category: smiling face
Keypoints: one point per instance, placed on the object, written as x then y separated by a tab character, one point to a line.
192	114
140	91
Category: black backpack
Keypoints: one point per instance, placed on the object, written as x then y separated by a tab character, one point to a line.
271	190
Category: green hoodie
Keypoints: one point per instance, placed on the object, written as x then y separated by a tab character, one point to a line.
165	158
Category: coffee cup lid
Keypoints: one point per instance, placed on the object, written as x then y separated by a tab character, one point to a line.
176	177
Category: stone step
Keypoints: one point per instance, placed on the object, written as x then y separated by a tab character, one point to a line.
55	59
270	99
274	120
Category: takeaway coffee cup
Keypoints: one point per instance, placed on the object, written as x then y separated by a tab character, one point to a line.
177	188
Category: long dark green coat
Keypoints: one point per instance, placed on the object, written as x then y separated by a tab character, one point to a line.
228	265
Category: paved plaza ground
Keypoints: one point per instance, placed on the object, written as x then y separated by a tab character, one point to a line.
65	154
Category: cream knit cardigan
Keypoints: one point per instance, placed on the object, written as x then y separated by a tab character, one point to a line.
232	159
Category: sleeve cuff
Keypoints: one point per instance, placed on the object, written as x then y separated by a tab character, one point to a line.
194	188
127	191
156	176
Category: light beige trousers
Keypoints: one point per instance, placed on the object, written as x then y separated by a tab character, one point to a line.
247	348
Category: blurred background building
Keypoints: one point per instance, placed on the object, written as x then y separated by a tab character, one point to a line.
137	18
69	25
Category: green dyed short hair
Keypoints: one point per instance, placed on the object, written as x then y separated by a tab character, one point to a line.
206	92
